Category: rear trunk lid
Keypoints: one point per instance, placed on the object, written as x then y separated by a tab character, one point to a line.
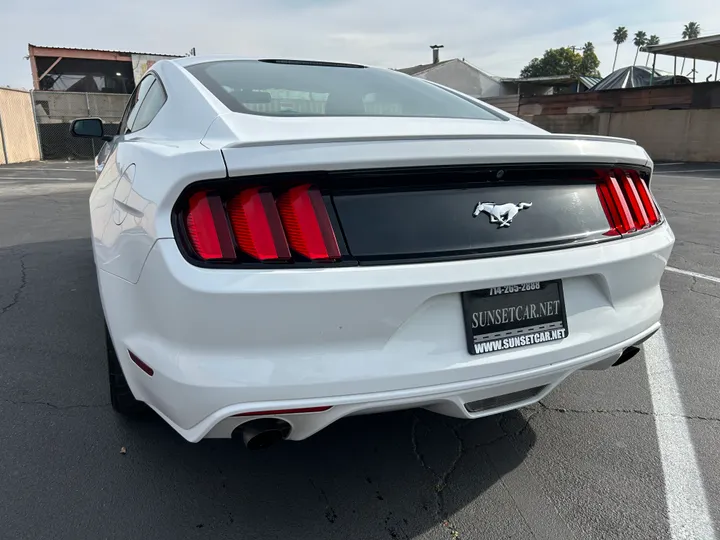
422	190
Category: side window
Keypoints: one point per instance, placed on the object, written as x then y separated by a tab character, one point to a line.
150	106
134	103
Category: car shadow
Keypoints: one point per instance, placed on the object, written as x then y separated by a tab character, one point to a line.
392	475
395	475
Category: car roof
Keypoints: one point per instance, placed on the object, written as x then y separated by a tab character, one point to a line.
187	61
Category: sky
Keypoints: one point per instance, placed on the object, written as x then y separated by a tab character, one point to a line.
499	36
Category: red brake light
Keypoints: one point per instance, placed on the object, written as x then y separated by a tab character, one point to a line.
645	197
307	224
207	227
256	224
636	206
626	201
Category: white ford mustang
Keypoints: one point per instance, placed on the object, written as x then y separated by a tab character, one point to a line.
280	244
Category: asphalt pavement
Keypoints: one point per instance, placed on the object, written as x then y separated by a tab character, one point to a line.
628	453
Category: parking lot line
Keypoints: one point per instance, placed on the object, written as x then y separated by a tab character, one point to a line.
59	178
42	169
684	492
663	172
693	274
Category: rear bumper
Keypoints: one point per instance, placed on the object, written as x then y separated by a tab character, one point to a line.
449	399
364	339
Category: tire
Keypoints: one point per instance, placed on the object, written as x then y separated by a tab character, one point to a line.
121	397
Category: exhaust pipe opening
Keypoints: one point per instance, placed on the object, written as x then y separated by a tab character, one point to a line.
262	433
626	355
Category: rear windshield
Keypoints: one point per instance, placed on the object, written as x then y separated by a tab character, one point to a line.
281	88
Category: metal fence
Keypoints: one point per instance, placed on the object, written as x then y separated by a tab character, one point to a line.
54	111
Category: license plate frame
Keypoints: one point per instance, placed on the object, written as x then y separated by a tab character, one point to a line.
489	316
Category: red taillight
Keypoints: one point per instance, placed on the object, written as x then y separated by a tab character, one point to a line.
626	201
636	206
295	228
285	411
207	227
257	227
645	197
307	224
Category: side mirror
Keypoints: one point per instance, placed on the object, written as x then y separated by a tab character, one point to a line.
89	128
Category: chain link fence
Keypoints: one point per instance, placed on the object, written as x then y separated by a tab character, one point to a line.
54	111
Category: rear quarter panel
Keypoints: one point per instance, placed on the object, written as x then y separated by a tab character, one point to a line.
134	194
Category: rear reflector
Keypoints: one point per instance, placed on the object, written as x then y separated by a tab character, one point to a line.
285	411
307	224
626	201
207	227
142	365
257	227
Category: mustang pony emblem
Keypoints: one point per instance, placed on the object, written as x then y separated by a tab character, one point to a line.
500	213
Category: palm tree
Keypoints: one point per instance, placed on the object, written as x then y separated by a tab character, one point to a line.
653	40
619	37
691	31
639	40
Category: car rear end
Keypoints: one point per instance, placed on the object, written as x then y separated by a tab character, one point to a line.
358	276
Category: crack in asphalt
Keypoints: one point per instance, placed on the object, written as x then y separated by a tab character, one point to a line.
54	406
693	289
330	514
16	295
627	411
442	479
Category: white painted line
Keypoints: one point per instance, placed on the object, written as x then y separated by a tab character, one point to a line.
684	492
707	178
71	178
668	164
41	169
670	173
693	274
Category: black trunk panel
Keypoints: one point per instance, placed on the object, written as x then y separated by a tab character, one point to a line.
432	223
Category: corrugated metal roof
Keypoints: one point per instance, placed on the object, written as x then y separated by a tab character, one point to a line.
555	79
702	48
589	82
107	50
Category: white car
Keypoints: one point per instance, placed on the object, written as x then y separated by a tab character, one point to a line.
280	244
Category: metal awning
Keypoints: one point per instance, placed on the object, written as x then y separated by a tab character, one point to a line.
702	48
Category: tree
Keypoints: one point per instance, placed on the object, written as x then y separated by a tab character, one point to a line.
619	37
590	62
691	31
653	40
639	40
562	61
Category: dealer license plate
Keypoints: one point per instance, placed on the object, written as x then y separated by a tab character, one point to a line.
514	316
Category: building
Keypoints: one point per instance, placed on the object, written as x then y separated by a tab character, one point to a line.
460	75
544	86
473	81
88	70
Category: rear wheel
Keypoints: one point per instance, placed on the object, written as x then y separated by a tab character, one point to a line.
121	397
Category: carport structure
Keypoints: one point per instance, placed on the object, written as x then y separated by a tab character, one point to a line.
703	48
